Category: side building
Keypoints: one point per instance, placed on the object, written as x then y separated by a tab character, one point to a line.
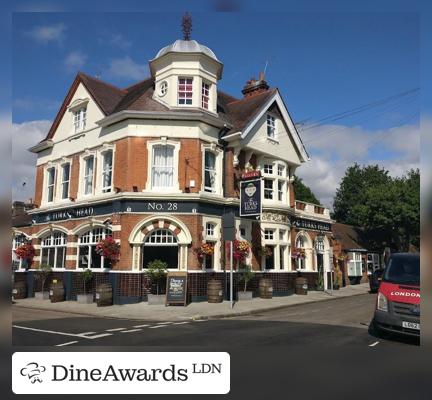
155	165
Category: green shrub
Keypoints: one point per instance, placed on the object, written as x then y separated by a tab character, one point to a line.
157	270
246	275
87	276
43	273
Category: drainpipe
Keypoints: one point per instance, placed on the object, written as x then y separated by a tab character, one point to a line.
224	145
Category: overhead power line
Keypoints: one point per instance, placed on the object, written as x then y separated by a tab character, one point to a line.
356	110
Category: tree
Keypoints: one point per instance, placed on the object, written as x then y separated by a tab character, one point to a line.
387	209
303	192
353	188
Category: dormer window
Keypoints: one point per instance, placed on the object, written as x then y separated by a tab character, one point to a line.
80	117
185	91
205	95
271	127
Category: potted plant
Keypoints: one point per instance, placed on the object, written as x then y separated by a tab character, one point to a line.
41	275
157	271
86	298
245	277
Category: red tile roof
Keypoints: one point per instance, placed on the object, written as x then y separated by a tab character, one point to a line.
139	97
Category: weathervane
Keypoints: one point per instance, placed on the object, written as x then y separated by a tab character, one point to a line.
186	26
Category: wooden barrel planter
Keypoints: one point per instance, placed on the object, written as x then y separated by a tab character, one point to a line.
214	291
301	285
19	290
104	295
265	288
57	292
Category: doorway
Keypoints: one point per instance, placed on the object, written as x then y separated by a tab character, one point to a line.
161	244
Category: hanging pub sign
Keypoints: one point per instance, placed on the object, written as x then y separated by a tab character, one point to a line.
176	288
250	198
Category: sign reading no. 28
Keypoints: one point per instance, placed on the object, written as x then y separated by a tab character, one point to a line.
162	206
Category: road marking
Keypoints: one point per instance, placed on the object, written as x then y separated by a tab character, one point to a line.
80	335
157	326
115	329
140	326
201	320
373	344
46	331
164	323
98	336
131	330
181	323
86	333
67	344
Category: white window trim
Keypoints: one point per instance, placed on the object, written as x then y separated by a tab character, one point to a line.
275	136
59	182
176	184
215	239
275	179
78	245
209	105
55	247
48	166
308	248
81	186
276	243
218	167
194	89
99	169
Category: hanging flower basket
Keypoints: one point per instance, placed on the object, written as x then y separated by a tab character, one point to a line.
109	249
241	249
298	254
206	249
25	252
265	251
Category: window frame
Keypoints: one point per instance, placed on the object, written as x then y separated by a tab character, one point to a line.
205	97
271	125
62	182
105	232
15	244
85	176
106	189
79	116
185	91
52	246
218	154
50	185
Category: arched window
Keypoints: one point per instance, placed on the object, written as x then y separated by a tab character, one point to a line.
162	237
87	256
319	245
53	250
300	244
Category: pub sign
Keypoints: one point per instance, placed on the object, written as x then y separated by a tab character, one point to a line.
250	198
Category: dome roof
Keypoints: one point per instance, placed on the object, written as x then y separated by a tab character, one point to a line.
186	46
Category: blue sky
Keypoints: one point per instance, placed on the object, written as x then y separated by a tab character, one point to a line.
323	63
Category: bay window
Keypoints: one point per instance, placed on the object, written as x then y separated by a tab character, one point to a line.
275	180
53	250
87	255
268	189
185	91
65	180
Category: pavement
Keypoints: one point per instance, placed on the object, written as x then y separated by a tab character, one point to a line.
193	311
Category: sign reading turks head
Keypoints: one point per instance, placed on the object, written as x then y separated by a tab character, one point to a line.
250	198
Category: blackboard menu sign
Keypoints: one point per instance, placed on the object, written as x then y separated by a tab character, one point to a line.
176	288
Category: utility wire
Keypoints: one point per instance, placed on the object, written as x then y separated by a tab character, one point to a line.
356	110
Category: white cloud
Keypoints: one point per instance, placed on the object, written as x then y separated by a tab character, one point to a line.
116	40
25	135
75	60
126	68
48	33
333	148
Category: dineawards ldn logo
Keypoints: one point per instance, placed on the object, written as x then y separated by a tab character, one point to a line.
33	371
120	373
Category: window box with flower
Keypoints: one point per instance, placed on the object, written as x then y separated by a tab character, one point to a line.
109	249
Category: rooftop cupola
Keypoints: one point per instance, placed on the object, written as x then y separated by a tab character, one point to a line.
186	73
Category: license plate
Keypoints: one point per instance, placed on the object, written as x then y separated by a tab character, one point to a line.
411	325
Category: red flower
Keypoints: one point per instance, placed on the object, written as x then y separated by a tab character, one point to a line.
108	248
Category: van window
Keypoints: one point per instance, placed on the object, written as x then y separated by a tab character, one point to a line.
403	270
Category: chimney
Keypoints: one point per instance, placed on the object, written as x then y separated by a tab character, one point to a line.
254	86
18	208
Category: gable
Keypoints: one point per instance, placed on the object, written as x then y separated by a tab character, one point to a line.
65	126
283	148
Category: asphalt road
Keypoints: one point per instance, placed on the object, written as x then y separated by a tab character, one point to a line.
338	322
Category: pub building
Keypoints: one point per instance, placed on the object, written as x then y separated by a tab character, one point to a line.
156	165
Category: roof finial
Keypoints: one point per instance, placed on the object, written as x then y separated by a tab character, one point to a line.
186	26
